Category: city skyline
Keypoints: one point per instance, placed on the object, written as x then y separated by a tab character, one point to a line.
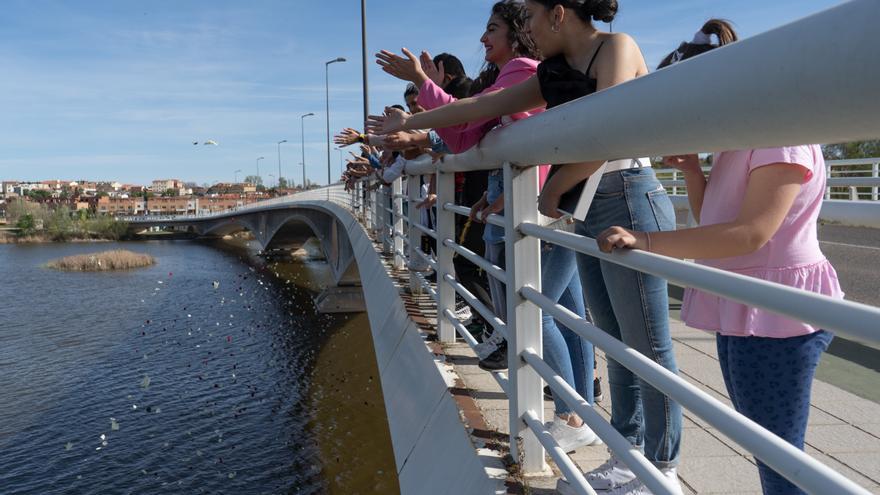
121	92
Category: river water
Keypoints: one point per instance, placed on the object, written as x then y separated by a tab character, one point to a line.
192	376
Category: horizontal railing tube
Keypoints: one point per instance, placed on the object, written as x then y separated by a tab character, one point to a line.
622	448
852	319
781	456
493	270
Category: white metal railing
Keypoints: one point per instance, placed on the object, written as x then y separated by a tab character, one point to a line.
844	105
859	179
851	194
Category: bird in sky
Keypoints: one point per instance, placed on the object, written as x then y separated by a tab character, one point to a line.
210	142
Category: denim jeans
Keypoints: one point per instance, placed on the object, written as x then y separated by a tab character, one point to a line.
633	307
567	353
495	255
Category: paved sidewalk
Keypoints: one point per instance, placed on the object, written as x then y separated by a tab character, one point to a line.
844	430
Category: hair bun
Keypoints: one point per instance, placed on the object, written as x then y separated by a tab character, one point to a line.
599	10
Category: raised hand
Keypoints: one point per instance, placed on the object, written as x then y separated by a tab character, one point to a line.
394	120
407	68
685	163
399	140
347	137
434	72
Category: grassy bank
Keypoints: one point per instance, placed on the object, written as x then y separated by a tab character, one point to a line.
101	262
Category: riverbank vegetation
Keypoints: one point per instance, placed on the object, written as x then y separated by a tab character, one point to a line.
101	262
37	222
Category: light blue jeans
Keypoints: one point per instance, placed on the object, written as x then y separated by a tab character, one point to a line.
569	355
633	307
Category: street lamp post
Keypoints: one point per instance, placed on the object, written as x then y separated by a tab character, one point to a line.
303	144
364	56
279	160
327	99
258	169
236	175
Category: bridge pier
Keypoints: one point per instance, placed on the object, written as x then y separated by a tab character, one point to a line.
341	299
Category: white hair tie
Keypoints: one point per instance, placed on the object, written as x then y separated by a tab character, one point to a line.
702	38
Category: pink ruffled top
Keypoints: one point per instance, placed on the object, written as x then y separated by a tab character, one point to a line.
462	137
791	257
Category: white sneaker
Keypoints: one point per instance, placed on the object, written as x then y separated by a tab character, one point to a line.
632	487
463	313
569	437
611	474
636	487
489	346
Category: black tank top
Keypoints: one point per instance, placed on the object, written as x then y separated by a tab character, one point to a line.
560	83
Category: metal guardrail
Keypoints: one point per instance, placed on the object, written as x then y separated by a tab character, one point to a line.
611	124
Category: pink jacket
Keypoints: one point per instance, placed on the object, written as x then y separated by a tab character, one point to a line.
464	136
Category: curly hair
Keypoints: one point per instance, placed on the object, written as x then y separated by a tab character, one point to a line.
513	14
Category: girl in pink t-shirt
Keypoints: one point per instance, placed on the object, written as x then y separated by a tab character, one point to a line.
758	212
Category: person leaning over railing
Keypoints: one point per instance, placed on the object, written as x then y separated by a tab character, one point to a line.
447	75
758	213
511	58
627	304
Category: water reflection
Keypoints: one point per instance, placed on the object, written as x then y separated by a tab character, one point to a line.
187	377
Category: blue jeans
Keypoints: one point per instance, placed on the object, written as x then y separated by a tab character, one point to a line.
495	255
769	382
567	354
633	307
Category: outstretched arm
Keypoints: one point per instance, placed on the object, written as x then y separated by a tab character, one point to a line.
770	192
519	98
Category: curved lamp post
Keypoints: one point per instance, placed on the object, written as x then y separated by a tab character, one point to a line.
258	169
236	175
303	144
327	92
279	160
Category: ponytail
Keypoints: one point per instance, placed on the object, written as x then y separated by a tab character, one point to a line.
703	41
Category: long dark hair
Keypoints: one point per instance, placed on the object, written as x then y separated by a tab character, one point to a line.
460	84
587	10
513	14
719	27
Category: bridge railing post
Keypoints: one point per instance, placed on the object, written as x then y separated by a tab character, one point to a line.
523	261
387	221
445	230
377	206
413	191
397	224
875	173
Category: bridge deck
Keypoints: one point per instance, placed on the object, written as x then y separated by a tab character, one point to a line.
843	433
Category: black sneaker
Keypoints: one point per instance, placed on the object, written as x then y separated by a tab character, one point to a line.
548	392
597	390
497	360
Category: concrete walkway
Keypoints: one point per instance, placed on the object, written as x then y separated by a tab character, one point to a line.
843	432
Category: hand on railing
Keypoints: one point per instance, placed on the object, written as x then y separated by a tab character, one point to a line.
548	204
619	238
429	201
685	163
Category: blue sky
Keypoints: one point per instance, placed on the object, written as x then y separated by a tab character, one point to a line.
119	90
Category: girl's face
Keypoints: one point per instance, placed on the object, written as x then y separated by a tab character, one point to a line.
539	20
496	41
